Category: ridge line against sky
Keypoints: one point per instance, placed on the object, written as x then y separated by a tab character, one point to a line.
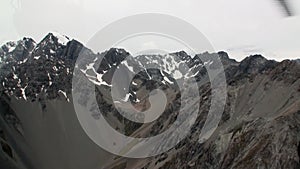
239	27
162	52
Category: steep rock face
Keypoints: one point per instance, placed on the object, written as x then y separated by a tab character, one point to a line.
265	144
260	125
39	128
42	70
17	50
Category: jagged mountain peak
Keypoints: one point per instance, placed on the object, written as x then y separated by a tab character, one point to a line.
116	51
17	50
115	55
224	56
226	60
255	58
182	54
54	38
62	39
25	42
57	45
255	64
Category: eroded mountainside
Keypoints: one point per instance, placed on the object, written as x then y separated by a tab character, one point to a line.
39	129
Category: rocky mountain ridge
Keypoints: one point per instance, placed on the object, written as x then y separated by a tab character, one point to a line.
260	126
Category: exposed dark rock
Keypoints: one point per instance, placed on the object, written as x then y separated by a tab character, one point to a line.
260	125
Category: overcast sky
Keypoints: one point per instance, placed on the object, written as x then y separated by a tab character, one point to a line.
240	27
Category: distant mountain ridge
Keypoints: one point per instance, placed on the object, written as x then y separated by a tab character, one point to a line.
260	126
56	49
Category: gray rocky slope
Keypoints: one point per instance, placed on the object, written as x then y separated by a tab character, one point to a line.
39	129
